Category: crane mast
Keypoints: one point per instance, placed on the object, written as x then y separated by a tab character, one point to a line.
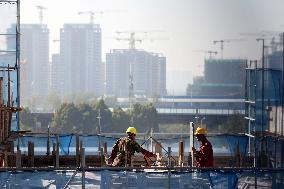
40	11
207	52
92	13
222	41
221	46
132	39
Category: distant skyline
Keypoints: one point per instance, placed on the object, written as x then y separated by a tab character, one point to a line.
188	25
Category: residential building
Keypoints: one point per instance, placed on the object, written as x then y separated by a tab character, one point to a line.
145	71
56	75
80	52
34	57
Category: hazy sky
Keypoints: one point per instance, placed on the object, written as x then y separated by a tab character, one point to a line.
188	25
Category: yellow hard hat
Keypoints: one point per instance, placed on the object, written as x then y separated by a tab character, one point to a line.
200	131
131	130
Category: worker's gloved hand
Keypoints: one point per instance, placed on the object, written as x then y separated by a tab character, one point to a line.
158	157
108	161
158	160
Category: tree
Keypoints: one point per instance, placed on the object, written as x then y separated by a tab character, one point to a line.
144	117
66	119
110	101
34	103
120	120
52	102
88	122
105	114
152	117
234	124
27	121
83	119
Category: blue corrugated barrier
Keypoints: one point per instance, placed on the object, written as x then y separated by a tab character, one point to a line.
222	144
150	179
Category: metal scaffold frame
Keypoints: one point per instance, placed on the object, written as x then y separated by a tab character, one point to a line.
16	66
264	109
250	102
10	106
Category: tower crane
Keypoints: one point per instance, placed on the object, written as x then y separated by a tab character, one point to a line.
222	41
268	36
132	39
207	52
91	13
40	11
262	34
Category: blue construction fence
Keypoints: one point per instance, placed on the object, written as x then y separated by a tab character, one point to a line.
141	179
226	145
269	150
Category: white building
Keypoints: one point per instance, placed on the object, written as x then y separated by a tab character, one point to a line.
55	77
34	58
80	51
147	70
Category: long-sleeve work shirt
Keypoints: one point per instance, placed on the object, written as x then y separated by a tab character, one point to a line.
204	157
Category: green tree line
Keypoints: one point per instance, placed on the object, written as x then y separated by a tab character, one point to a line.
84	118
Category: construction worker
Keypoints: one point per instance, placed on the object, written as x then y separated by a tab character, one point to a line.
125	147
204	157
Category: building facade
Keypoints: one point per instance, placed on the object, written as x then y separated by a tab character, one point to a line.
131	68
56	75
222	77
80	56
34	58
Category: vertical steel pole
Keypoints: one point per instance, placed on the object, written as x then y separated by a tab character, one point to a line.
191	142
262	98
57	152
99	131
151	140
255	151
247	105
282	98
282	84
17	67
48	141
169	167
255	179
83	164
262	94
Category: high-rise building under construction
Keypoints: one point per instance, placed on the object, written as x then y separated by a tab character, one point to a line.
222	77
